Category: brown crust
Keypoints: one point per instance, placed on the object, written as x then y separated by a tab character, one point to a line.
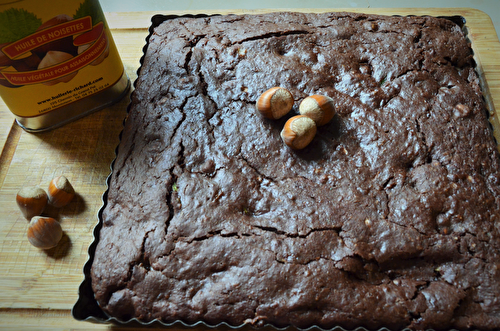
387	219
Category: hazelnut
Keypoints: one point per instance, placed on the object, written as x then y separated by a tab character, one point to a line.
61	192
89	37
5	61
318	107
44	232
275	102
31	200
298	132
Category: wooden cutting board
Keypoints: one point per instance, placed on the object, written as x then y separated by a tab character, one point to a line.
38	289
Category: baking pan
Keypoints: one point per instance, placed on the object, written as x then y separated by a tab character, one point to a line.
86	308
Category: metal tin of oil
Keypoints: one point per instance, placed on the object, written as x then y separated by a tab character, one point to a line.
58	61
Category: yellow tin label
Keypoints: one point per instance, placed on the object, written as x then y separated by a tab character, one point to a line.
53	53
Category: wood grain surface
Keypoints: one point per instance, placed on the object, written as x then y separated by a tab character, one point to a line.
39	288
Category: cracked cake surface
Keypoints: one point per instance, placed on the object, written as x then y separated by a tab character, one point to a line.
389	218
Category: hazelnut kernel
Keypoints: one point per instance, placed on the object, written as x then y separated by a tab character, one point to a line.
275	102
31	200
318	107
298	132
44	232
462	110
61	192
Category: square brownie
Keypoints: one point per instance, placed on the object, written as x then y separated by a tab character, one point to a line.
388	218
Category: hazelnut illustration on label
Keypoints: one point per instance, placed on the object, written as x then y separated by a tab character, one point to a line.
52	51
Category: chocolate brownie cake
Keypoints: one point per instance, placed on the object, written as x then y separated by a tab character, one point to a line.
389	218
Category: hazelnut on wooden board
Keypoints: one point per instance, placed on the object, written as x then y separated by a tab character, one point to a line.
298	132
318	107
61	192
44	232
275	102
32	201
